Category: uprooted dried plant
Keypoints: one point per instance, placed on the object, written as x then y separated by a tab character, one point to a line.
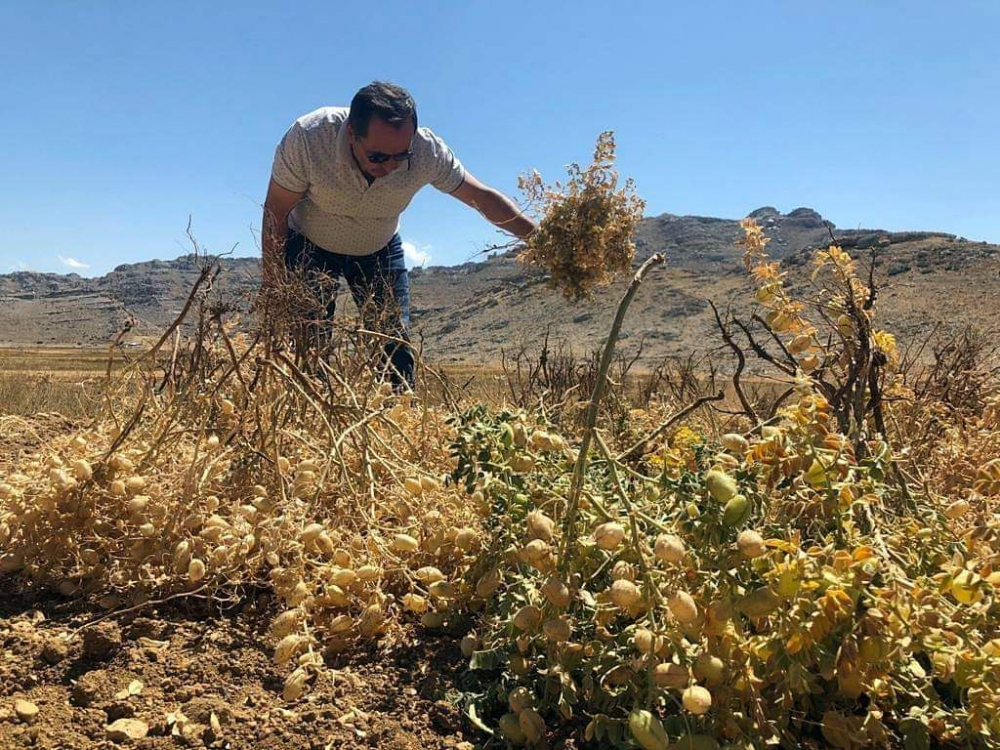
585	227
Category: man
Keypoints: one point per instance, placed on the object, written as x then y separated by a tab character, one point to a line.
340	180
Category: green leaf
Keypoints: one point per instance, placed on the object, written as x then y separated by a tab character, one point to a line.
491	659
915	735
470	712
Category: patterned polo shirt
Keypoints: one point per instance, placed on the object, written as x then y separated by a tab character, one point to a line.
340	211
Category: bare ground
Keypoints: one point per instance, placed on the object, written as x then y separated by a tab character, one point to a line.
203	677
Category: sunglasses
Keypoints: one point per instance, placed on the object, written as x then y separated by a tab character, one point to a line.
377	157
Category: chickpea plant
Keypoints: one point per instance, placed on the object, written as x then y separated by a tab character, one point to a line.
741	589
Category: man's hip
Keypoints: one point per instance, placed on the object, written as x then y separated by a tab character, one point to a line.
301	252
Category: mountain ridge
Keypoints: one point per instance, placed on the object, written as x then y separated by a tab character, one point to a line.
470	312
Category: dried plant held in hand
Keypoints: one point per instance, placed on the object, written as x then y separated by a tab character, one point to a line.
585	228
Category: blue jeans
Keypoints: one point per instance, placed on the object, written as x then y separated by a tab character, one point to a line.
379	285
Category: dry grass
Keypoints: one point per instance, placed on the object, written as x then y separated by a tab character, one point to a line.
65	380
56	359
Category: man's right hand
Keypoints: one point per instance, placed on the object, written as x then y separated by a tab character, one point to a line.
274	228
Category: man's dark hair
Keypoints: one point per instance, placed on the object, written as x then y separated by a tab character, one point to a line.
388	101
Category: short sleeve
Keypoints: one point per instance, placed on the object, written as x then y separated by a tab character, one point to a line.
446	171
291	161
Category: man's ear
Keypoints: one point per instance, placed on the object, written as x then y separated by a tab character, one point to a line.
350	133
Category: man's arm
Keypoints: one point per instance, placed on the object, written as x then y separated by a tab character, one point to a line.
495	206
278	204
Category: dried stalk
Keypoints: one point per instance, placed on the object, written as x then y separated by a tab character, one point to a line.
580	467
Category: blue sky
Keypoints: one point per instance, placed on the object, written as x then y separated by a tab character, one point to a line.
121	119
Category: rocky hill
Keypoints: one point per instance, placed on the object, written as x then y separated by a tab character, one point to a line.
468	313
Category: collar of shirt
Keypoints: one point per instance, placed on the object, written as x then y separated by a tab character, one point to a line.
346	156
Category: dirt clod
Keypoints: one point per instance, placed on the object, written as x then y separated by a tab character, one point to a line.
119	709
26	711
88	687
102	641
148	628
127	729
202	709
55	650
446	717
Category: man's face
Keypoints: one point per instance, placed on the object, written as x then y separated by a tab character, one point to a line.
382	139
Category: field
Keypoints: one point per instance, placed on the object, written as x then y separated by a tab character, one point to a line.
199	656
236	540
57	379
